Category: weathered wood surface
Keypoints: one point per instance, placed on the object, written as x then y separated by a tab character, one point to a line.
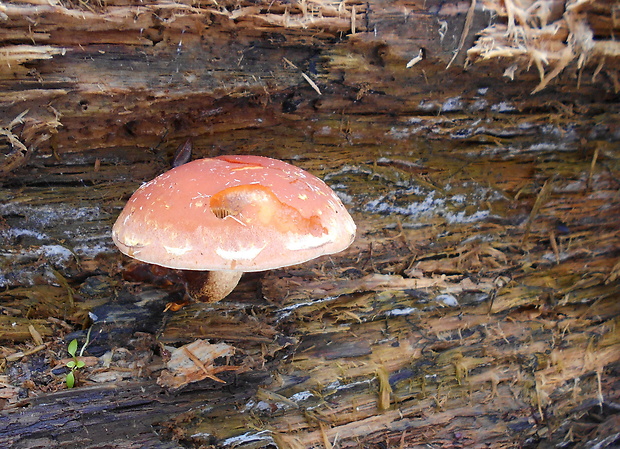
138	74
529	356
478	305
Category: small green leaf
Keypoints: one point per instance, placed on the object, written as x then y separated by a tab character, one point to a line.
72	348
71	364
80	364
70	380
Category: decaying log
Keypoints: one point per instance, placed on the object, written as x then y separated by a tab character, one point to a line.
141	73
116	415
442	324
477	306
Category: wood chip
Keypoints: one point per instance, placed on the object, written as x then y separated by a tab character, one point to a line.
36	336
312	83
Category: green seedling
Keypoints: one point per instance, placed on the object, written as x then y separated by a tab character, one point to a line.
75	364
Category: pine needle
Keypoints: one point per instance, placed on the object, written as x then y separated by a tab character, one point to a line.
541	199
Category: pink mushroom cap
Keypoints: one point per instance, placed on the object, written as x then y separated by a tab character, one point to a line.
240	213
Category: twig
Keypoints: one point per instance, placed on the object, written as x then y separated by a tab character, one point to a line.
554	247
306	77
468	21
201	365
18	355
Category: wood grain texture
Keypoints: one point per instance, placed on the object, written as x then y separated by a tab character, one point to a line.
477	306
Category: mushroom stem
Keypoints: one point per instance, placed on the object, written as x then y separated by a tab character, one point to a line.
210	286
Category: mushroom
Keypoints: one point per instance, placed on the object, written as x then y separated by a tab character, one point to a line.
217	218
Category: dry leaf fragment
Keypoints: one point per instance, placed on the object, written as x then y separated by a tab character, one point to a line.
194	362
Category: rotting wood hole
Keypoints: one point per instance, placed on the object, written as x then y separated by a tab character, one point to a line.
130	128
